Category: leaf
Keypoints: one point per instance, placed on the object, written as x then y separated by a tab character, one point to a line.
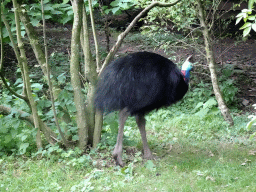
75	138
254	26
23	147
210	103
7	138
37	87
115	10
200	104
24	137
243	15
34	22
247	31
245	25
62	78
124	6
115	3
57	12
65	1
249	125
251	18
48	7
238	20
250	4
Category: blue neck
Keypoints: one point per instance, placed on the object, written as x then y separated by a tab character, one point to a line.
186	75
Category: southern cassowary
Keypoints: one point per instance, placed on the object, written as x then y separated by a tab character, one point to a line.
137	84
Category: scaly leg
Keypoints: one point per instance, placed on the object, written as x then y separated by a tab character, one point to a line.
140	119
117	153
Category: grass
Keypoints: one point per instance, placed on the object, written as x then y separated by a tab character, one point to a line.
192	154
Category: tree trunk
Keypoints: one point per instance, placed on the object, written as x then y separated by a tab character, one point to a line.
26	74
75	76
211	63
91	75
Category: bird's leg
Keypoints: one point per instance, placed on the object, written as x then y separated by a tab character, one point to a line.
117	153
140	119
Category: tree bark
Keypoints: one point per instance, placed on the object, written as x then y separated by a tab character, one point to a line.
75	76
212	65
26	74
93	119
37	49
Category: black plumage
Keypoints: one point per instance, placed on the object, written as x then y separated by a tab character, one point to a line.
135	85
141	81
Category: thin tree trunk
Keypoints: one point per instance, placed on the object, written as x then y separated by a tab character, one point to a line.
91	76
26	74
75	76
96	115
37	49
94	35
17	54
65	142
211	63
98	128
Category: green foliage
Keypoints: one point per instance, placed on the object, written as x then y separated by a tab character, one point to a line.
118	6
17	136
182	15
248	18
58	12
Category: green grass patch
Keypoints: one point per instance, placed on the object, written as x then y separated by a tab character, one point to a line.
193	153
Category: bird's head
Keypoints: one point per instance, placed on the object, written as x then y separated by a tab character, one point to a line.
186	68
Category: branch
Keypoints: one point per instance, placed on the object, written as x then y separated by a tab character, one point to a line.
123	35
94	35
65	142
13	92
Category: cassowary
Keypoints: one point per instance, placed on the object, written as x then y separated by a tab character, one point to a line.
137	84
